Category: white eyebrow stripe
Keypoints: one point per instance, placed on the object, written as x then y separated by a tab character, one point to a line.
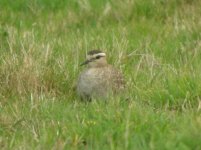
100	54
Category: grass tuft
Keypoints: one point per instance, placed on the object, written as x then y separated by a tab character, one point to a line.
156	44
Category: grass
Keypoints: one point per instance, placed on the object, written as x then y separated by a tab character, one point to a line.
156	44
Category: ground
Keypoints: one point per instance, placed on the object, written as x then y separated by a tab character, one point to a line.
157	46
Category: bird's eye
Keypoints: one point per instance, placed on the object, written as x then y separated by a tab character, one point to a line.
97	57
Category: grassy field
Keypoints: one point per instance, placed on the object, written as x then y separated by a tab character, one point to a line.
156	44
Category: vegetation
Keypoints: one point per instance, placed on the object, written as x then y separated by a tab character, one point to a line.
156	44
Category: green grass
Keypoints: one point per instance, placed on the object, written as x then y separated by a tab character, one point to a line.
156	44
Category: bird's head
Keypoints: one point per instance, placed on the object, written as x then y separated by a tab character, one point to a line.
95	58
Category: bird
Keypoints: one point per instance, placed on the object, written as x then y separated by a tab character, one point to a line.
99	79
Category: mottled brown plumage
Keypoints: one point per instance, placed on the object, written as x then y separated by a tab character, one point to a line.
99	79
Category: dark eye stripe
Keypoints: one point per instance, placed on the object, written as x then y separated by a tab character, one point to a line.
97	57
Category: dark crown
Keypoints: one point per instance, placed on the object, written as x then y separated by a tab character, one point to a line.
92	52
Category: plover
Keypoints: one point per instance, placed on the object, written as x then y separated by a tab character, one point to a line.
99	79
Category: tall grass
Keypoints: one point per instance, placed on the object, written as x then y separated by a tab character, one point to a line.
155	43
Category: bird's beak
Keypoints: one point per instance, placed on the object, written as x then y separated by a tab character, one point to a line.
85	63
